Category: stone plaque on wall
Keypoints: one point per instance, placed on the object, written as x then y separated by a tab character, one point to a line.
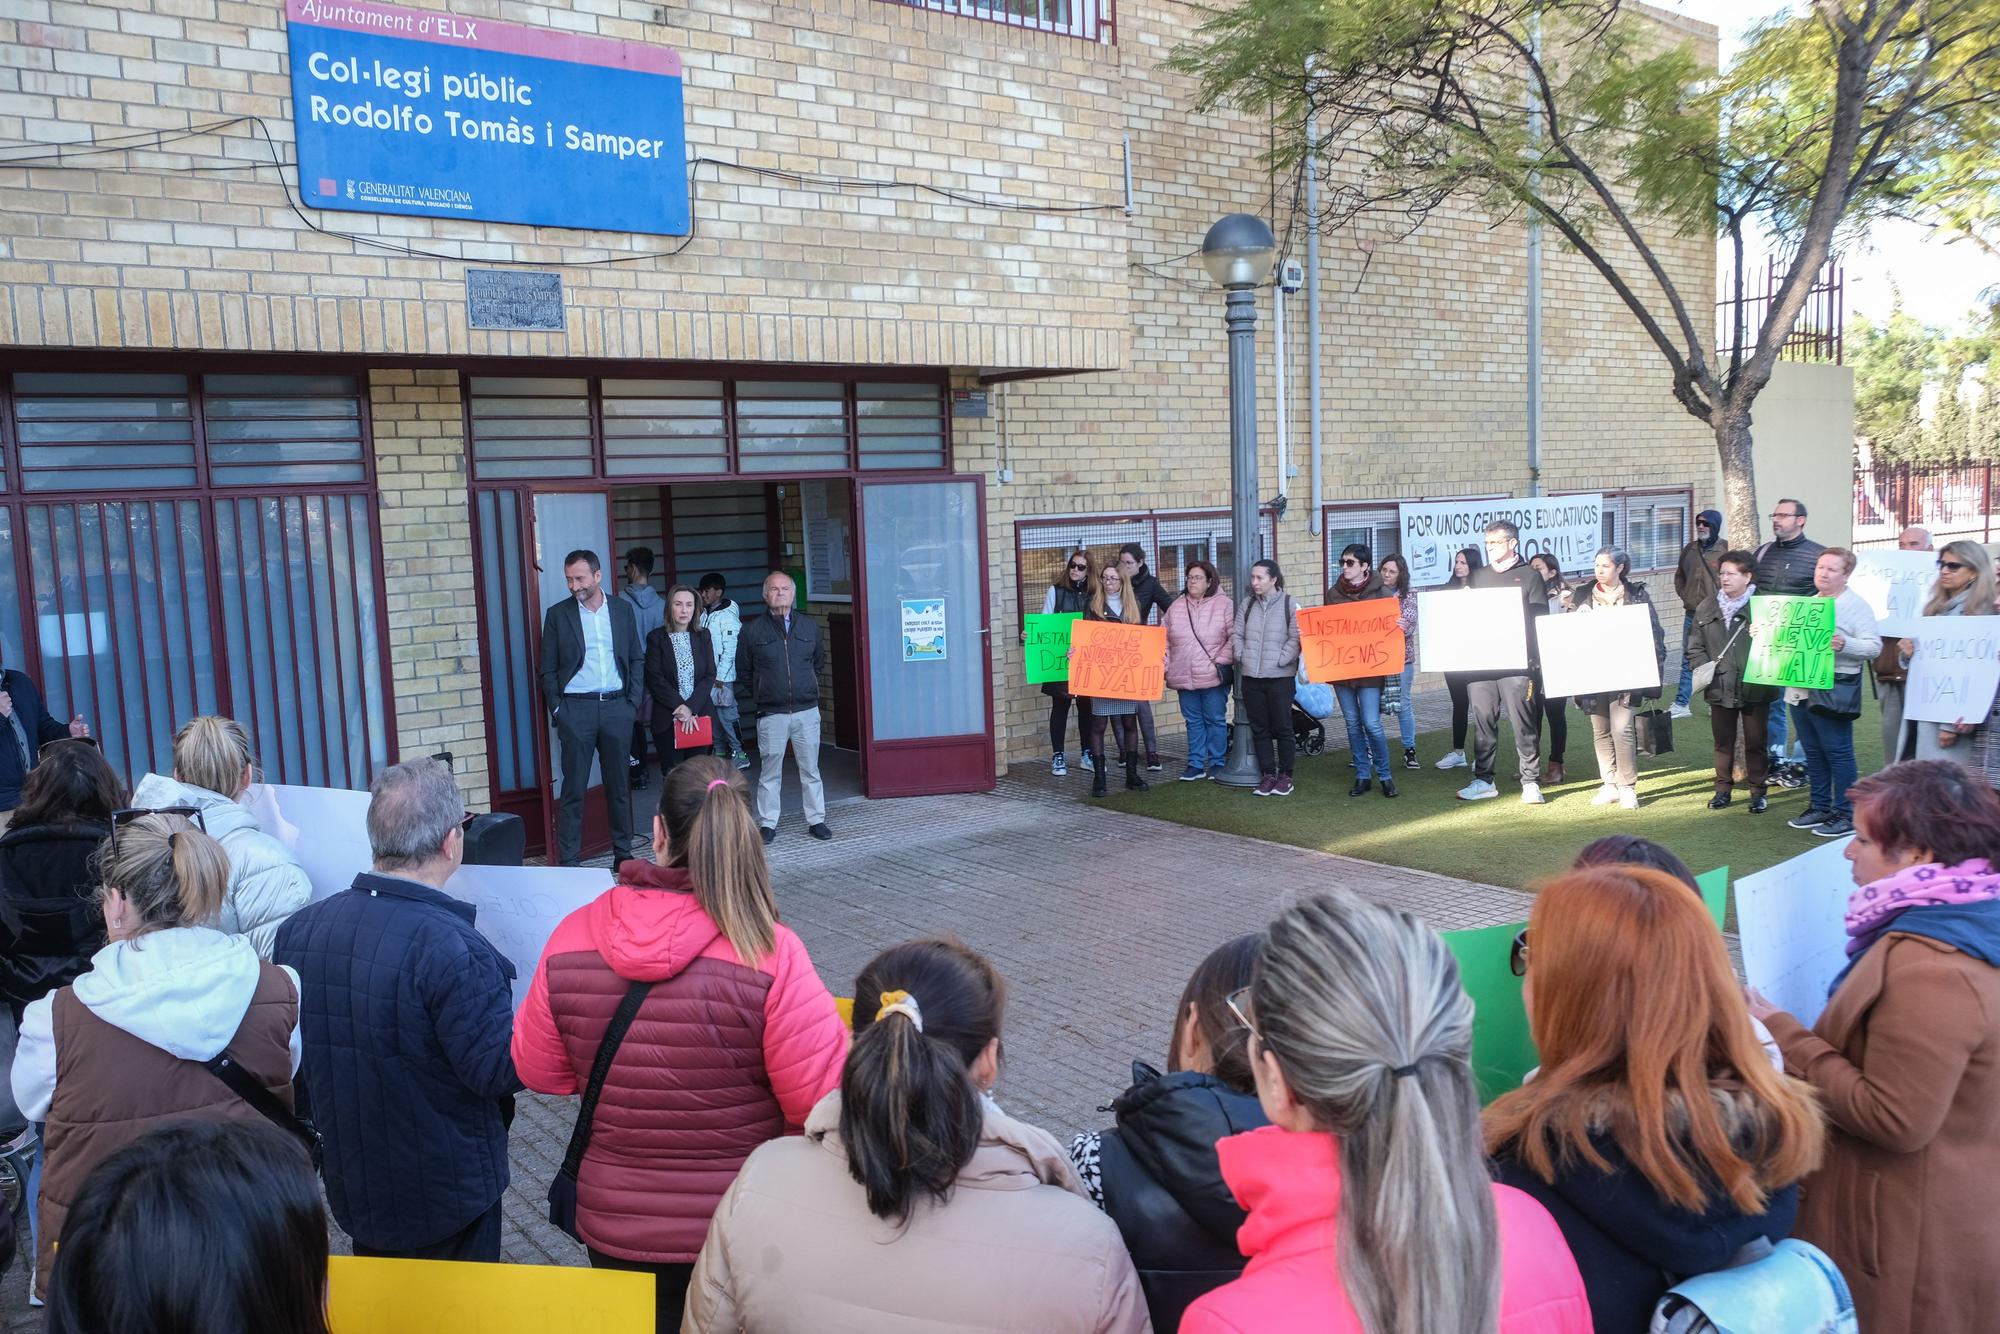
513	299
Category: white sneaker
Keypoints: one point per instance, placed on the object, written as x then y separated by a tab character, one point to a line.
1531	794
1628	798
1680	711
1478	789
1453	759
1607	795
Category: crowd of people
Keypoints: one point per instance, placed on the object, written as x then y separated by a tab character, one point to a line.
1315	1156
1763	735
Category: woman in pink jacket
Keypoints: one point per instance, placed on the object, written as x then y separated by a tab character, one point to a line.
734	1040
1370	1207
1198	625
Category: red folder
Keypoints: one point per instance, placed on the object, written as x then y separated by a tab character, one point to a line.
699	734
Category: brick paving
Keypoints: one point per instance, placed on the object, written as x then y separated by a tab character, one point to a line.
1094	917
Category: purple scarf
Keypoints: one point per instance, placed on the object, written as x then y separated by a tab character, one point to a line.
1871	908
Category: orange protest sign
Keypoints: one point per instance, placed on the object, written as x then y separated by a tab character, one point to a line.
1346	640
1112	660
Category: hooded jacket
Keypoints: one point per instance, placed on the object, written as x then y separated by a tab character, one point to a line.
1906	1061
107	1058
648	607
266	883
1694	577
1629	1244
50	922
1015	1246
721	1057
1290	1183
1162	1184
724	623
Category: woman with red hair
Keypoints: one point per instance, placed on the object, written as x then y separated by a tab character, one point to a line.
1656	1131
1906	1057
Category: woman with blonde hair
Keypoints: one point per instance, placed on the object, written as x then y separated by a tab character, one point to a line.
213	767
1656	1131
1112	600
1965	587
1370	1208
732	1037
123	1048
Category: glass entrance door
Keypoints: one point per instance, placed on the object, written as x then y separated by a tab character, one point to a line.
923	602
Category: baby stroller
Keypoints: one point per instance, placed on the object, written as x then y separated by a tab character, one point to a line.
1312	702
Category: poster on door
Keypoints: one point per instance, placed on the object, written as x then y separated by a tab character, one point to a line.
923	629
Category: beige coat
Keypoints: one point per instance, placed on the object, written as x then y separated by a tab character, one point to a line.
1906	1061
1017	1246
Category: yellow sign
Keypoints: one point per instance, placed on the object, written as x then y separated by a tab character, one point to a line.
371	1296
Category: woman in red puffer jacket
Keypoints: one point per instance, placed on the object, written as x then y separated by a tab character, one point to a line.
733	1044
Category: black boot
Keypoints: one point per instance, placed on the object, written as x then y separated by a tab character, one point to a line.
1361	786
1134	783
1097	773
1388	786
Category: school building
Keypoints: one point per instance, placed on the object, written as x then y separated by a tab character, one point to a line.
327	326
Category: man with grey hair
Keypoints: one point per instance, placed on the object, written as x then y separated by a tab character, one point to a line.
778	660
406	1014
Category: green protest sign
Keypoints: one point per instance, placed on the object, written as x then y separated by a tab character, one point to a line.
1047	647
1503	1051
1714	887
1791	642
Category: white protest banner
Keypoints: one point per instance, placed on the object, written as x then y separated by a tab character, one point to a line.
1894	584
1597	652
326	828
1570	528
519	907
1472	630
1954	669
1792	921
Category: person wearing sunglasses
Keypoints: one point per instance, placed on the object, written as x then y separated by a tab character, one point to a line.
1657	1131
1369	1200
214	766
1964	587
167	994
1068	594
25	727
1361	699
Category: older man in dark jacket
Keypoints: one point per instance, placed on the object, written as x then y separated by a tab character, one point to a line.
406	1014
778	661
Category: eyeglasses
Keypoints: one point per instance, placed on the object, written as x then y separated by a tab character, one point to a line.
1952	565
121	818
1238	1002
1517	956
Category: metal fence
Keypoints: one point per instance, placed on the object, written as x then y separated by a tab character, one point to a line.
1818	334
1952	500
1091	20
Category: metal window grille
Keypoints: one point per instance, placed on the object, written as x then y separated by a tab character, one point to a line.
789	426
88	432
1091	20
1650	526
524	427
261	429
1375	526
656	427
1172	540
900	425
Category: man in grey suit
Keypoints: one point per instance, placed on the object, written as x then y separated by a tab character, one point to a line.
592	673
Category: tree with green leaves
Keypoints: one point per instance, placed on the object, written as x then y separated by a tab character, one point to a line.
1592	118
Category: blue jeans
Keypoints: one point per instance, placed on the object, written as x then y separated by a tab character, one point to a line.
727	741
1780	741
1361	706
1406	719
1829	745
1207	713
1685	692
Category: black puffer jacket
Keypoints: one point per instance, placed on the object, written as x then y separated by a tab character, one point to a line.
1164	1188
50	923
1151	594
1635	596
1787	567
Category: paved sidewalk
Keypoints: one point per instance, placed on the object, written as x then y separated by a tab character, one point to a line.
1094	917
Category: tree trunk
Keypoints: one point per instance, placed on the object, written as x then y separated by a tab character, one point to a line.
1739	477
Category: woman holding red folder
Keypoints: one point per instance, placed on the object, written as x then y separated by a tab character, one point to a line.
680	676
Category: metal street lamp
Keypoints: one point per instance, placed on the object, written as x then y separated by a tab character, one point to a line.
1238	252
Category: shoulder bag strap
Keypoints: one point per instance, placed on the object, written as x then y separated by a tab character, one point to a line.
265	1103
1208	652
628	1009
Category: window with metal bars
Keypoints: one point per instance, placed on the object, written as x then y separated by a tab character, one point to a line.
1650	526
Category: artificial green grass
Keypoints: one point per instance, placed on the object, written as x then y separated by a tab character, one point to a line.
1501	841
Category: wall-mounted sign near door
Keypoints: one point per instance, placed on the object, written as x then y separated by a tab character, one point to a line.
414	111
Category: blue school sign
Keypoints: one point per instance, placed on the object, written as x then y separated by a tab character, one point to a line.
427	113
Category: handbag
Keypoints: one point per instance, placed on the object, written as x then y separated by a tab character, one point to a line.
1225	672
1704	675
265	1103
699	736
1659	737
562	1187
1842	701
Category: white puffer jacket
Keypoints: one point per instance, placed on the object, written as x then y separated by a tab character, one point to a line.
266	883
